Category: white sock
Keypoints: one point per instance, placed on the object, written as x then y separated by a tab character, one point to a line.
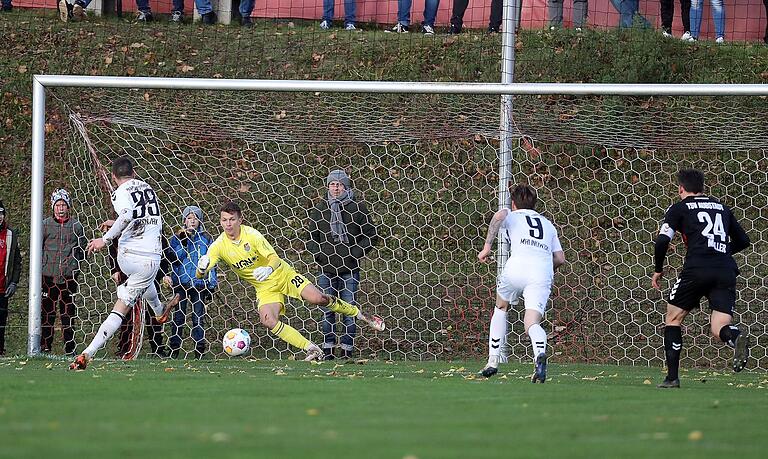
497	338
105	332
538	339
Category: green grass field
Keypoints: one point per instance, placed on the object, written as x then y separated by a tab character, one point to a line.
252	408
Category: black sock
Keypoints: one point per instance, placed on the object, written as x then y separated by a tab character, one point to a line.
673	345
728	335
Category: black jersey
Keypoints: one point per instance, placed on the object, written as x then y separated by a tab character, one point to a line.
709	229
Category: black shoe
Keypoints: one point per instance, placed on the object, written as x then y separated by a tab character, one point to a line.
162	352
174	353
177	16
328	353
454	29
540	370
209	18
246	22
669	384
492	29
7	7
144	16
346	354
741	351
489	371
199	353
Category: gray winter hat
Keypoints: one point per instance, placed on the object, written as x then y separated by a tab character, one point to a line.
339	176
192	210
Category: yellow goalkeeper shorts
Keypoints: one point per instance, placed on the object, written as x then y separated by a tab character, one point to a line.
283	282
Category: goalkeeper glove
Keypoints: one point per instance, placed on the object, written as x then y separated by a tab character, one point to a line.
202	266
11	289
261	274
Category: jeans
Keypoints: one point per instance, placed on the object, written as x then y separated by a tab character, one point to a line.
345	287
404	12
555	9
668	13
198	299
57	295
246	7
3	320
718	12
203	6
350	7
627	10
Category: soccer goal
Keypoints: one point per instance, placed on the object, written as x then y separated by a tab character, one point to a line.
426	159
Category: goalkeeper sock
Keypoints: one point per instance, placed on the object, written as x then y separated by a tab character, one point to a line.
728	335
538	339
105	332
342	307
673	345
290	335
497	337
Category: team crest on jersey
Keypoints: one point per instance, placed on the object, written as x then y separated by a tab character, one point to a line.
247	247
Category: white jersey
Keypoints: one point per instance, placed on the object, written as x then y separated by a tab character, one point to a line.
532	240
139	225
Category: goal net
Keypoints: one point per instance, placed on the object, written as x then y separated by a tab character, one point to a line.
427	166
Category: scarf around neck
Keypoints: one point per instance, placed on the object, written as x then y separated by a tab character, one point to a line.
338	228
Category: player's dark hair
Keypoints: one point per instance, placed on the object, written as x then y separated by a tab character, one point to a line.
691	180
524	196
122	167
231	207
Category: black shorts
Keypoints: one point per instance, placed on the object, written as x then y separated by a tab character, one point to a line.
717	284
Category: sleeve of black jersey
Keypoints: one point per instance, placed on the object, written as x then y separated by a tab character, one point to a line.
670	225
739	238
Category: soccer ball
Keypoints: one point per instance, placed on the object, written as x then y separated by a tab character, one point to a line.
236	342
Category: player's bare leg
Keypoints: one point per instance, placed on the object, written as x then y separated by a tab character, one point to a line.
538	337
673	345
270	318
739	340
106	330
497	338
313	295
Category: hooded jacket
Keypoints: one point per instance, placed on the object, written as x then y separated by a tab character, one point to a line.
11	264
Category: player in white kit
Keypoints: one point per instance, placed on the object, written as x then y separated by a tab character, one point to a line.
535	253
137	233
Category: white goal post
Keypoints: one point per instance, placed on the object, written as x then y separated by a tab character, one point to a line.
529	140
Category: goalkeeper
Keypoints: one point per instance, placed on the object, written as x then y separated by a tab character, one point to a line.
254	260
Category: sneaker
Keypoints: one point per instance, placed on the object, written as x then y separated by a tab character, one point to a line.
209	18
350	26
325	24
177	16
199	353
397	28
78	10
328	353
488	371
427	29
246	22
666	34
540	370
454	29
7	8
741	351
669	384
720	40
686	36
163	318
375	322
578	29
80	363
346	354
314	353
65	10
175	353
144	16
492	29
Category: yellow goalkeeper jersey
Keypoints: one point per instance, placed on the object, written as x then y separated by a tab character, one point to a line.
250	252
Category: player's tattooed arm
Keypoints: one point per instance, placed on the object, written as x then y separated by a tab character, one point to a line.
495	226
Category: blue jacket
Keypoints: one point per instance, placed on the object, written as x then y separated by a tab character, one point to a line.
188	250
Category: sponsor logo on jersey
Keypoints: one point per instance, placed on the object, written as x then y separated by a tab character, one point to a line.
247	247
246	262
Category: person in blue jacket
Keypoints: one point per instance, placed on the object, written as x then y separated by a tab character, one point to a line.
191	243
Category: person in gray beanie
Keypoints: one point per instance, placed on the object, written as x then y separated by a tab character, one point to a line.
341	233
64	243
190	243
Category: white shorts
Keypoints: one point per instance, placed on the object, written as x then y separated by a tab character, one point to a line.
535	291
141	272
